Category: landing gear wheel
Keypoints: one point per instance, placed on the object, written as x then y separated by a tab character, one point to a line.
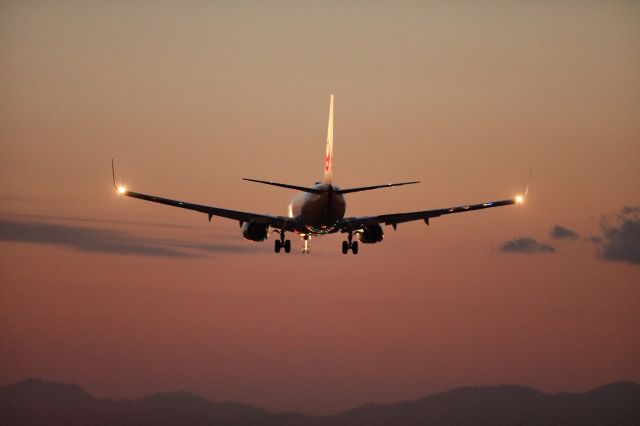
305	248
281	243
345	247
354	247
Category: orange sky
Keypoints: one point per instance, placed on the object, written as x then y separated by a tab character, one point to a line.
191	98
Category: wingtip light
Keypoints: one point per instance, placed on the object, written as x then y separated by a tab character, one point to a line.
122	189
519	199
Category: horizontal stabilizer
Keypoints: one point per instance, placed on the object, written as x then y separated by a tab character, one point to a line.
367	188
285	185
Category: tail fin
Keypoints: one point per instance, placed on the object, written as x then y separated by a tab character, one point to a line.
328	158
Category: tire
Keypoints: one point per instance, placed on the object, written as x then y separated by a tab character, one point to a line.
345	247
354	247
277	246
287	246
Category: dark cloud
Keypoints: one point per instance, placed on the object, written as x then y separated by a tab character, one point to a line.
620	241
92	220
630	210
561	233
83	238
106	240
526	245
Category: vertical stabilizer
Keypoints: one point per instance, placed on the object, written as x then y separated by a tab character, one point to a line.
328	157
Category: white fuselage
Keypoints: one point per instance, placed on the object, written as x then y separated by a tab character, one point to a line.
317	213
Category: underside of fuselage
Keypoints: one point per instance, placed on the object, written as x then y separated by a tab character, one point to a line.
318	213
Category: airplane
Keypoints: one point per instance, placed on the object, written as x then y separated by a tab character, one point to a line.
318	210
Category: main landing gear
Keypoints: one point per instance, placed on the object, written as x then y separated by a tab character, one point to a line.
350	244
281	243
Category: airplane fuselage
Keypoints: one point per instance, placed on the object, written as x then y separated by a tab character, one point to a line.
318	214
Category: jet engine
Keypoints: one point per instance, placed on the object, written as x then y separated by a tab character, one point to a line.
371	234
255	231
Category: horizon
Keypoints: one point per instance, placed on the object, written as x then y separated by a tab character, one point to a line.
129	298
44	382
34	401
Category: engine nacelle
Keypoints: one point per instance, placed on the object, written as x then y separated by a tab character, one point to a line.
371	234
255	231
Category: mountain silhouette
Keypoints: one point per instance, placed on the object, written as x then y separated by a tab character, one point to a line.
37	402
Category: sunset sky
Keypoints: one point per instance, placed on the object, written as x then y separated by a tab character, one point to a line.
126	298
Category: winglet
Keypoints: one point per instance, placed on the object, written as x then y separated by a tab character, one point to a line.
526	190
328	158
113	172
120	189
523	197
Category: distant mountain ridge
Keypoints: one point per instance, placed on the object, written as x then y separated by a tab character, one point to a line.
37	402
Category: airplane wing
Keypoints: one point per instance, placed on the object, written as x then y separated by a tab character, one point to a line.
354	223
279	222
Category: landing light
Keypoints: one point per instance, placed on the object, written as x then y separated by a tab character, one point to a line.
122	189
519	199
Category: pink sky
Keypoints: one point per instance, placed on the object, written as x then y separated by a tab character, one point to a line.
191	98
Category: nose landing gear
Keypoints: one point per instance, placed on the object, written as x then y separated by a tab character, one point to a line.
350	244
305	247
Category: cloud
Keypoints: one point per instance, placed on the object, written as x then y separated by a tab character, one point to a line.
630	210
561	233
103	240
620	241
93	220
526	245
